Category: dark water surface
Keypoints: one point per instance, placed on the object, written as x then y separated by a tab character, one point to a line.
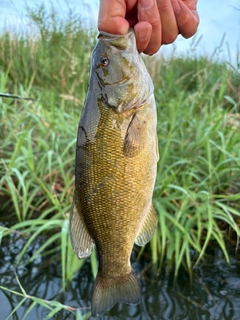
214	293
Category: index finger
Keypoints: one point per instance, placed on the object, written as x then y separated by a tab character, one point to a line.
148	12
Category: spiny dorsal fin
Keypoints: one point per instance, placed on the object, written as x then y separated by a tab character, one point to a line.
148	227
82	242
108	291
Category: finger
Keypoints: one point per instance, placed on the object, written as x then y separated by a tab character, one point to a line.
168	20
187	18
111	17
143	32
191	4
131	15
148	12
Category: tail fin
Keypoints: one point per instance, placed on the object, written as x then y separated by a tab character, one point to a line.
108	291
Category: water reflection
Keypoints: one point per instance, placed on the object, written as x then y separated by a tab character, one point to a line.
214	293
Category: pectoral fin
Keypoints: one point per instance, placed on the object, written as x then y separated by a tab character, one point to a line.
134	141
148	227
82	242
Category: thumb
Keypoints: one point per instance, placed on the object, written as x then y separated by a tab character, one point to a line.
111	17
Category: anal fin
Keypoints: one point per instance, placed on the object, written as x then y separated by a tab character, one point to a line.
82	242
148	227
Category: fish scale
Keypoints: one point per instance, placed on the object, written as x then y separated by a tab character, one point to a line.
115	171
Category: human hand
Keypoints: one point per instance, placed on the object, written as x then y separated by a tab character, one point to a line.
155	22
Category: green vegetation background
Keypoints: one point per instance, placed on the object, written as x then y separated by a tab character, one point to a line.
197	187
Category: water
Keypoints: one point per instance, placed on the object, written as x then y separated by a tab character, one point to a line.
214	293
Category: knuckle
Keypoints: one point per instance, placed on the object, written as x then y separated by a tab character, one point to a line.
164	6
169	38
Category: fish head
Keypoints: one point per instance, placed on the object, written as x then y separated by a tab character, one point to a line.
122	79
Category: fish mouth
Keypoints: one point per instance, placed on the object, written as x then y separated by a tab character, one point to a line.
112	35
104	84
117	83
116	40
128	108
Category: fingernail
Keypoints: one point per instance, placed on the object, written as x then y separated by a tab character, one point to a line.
147	3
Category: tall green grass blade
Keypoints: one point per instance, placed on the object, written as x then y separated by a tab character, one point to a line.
47	225
16	308
53	313
94	262
31	307
64	244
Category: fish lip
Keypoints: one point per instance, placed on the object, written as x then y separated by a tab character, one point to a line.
112	35
110	84
119	41
115	83
120	109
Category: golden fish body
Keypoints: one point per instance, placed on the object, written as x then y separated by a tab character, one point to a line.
116	161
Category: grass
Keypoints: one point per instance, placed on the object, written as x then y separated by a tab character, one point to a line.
197	187
54	307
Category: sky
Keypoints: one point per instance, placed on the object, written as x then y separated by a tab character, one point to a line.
218	33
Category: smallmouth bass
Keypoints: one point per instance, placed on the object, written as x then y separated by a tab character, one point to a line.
115	171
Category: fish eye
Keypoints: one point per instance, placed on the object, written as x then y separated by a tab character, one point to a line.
104	61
